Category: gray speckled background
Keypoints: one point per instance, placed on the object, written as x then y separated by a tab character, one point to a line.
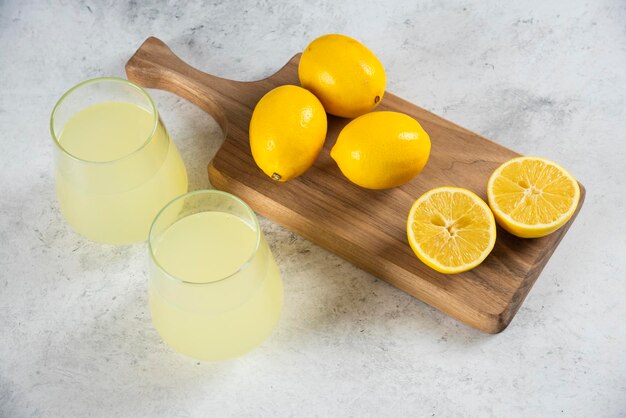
542	77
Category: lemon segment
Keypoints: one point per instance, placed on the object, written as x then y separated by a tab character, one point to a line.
532	197
287	132
451	229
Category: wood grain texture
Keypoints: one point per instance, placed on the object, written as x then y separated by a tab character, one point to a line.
363	226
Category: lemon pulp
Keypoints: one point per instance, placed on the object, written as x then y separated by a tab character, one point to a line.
451	229
532	197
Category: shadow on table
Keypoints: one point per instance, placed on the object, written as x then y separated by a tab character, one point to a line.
331	302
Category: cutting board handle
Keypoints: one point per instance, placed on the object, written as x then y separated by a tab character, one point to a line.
154	65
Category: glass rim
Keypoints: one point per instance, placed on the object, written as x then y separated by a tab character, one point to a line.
245	265
142	91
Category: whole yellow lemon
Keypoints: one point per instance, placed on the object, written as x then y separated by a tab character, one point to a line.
380	150
346	76
287	132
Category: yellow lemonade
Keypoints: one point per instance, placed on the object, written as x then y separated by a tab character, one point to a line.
216	292
122	168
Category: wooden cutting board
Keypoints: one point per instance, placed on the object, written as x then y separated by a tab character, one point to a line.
365	227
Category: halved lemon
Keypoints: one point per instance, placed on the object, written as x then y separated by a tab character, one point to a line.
451	229
532	197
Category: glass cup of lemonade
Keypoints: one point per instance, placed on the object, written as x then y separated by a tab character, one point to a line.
115	164
214	288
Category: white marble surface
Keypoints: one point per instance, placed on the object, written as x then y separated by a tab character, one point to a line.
542	77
